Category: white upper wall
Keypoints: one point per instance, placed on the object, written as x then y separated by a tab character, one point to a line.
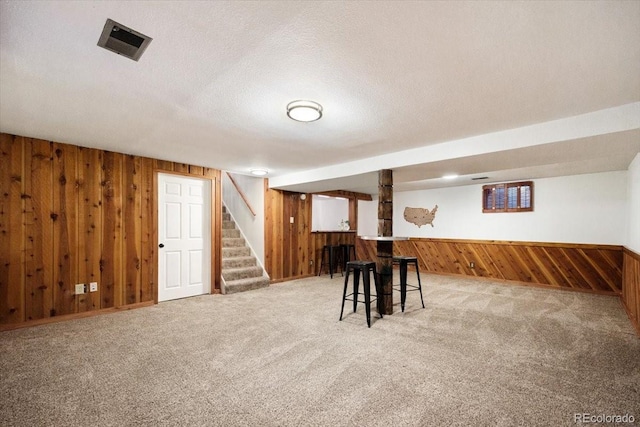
252	226
368	217
633	198
589	208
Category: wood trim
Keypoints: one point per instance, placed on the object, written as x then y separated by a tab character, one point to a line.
631	253
631	287
352	195
216	228
288	279
522	243
154	232
65	317
353	214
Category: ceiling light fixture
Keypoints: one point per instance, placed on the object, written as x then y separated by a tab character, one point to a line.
304	111
259	172
451	176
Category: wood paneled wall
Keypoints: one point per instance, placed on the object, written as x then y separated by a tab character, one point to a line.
73	215
291	249
594	268
287	244
631	286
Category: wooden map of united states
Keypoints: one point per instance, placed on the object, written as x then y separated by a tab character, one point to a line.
420	216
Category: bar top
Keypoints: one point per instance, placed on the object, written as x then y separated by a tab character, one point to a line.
384	238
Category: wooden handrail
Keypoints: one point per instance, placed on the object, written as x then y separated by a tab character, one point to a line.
244	196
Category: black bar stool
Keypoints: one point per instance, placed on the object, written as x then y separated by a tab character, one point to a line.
366	268
347	252
333	253
404	261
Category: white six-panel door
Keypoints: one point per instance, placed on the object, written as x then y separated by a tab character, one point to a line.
184	236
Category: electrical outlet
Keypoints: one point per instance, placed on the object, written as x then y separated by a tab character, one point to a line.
291	219
93	286
472	264
80	288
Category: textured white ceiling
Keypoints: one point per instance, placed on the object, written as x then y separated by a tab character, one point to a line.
212	87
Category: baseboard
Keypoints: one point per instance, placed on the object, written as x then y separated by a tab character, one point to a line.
65	317
526	284
288	279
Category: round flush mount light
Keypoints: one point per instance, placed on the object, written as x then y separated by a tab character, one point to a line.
304	111
259	172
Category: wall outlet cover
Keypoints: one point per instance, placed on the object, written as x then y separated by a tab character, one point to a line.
93	286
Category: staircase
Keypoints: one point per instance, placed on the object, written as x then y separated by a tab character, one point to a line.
240	269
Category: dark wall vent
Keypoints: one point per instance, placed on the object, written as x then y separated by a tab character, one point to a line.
123	40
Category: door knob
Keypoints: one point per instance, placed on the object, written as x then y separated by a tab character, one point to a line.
161	245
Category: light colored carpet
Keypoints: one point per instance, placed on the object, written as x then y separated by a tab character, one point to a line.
479	354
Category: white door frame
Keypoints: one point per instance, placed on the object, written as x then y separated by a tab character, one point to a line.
209	236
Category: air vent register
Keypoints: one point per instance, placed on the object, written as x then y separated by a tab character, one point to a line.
123	40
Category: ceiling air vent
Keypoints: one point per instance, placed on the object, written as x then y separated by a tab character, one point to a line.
479	178
123	40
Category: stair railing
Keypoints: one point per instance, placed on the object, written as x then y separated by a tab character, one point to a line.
242	195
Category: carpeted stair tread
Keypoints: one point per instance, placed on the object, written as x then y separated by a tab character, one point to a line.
243	285
228	233
232	242
231	274
237	251
238	262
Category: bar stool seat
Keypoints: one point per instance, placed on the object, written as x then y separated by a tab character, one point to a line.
334	255
366	268
404	261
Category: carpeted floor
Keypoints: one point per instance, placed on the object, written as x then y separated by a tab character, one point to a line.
479	354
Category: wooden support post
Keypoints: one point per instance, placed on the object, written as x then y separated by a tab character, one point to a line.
384	264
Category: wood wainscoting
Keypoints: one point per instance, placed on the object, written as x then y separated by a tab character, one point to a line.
631	287
591	268
71	215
